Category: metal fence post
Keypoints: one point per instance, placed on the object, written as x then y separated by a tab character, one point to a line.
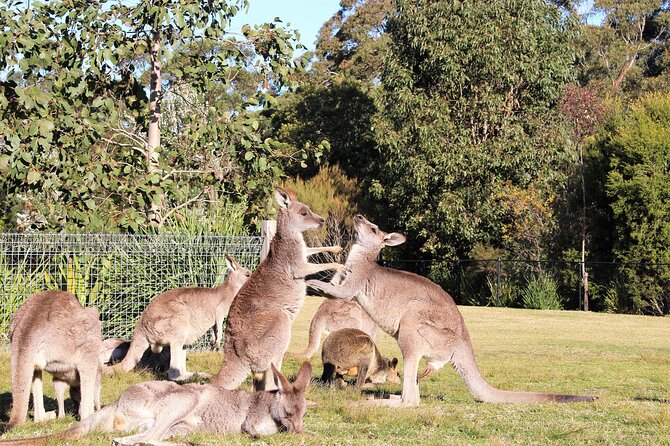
498	284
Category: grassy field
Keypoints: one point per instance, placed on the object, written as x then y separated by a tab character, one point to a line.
623	360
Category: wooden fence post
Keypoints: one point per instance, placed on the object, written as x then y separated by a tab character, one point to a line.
268	230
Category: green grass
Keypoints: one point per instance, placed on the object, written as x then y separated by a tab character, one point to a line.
623	360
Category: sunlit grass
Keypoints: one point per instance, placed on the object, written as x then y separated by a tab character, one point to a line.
623	360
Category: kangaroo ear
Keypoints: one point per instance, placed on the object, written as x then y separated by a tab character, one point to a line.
286	386
283	198
394	363
394	239
304	376
231	263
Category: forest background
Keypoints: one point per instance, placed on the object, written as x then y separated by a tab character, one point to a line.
513	129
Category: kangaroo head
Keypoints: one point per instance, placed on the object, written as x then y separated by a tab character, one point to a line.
294	216
292	404
387	372
369	236
238	274
392	372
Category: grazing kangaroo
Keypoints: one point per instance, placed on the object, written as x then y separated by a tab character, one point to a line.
179	317
115	349
259	323
420	315
352	352
163	409
336	314
52	332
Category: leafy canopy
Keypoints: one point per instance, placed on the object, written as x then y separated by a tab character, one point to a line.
74	110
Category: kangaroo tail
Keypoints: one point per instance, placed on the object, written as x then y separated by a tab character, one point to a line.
102	420
138	345
316	327
464	363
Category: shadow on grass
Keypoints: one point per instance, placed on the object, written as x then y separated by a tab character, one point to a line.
652	399
5	404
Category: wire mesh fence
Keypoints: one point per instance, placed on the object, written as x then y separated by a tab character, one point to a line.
118	274
640	288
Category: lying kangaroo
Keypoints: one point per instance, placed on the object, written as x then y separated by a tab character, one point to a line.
52	332
179	317
352	352
259	324
162	409
420	315
335	314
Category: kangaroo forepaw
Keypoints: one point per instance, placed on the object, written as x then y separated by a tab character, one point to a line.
343	269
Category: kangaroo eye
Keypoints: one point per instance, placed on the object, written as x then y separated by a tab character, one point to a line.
303	213
374	230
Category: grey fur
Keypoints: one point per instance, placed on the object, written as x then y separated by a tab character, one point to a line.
163	409
259	324
179	317
420	315
333	315
350	348
52	332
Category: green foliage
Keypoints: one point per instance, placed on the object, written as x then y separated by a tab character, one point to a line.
228	219
541	293
16	283
469	104
335	100
339	114
74	111
502	293
638	185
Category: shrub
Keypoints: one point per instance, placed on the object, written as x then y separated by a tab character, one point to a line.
541	293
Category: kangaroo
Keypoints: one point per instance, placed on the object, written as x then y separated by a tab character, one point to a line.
335	314
422	317
163	409
259	323
52	332
352	352
179	317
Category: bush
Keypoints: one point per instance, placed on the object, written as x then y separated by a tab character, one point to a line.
541	293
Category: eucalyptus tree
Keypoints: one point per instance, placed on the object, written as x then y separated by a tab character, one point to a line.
472	144
80	110
630	34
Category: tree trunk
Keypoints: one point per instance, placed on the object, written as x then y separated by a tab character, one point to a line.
584	274
154	135
622	73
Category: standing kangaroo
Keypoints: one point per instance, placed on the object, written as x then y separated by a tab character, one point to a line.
259	324
420	315
52	332
163	409
179	317
335	314
352	352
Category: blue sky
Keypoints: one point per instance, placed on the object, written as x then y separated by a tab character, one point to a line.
306	16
